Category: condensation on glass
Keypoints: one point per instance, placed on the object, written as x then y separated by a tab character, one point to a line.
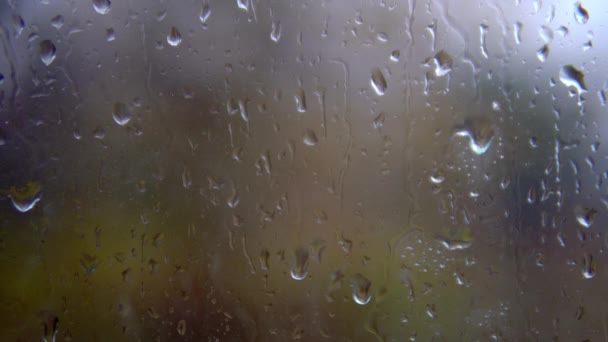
303	170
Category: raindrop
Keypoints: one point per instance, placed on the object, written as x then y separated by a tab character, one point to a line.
361	289
573	77
580	14
455	245
110	35
382	37
589	269
395	55
186	178
264	258
300	98
25	198
243	4
57	21
18	24
480	133
443	63
378	81
585	216
496	106
378	121
47	52
275	33
121	114
102	6
205	13
181	327
99	133
310	138
299	268
543	53
174	38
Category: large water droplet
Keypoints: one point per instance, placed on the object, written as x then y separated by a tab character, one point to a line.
480	132
573	77
121	114
25	198
361	289
47	52
580	14
299	267
174	38
585	216
102	6
275	33
378	81
443	63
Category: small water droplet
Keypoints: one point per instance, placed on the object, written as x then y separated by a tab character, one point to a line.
310	138
121	114
174	38
25	198
378	121
205	13
443	63
57	21
589	269
300	98
573	77
361	289
543	53
102	6
546	33
480	133
299	268
181	327
585	216
378	81
382	37
47	52
275	33
580	14
18	24
496	106
99	133
110	34
395	55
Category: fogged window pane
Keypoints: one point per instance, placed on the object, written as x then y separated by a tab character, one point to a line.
303	170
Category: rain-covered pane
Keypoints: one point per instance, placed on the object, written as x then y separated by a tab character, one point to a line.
249	170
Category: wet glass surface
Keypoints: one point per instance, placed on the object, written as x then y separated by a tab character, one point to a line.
303	170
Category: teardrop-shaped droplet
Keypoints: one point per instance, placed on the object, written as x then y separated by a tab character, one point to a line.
48	52
585	216
395	55
102	6
443	63
275	32
174	38
361	289
57	21
581	15
310	138
480	132
300	98
181	327
543	53
573	77
299	267
378	81
121	113
589	269
205	13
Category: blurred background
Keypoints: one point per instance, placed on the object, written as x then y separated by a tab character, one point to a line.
324	170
